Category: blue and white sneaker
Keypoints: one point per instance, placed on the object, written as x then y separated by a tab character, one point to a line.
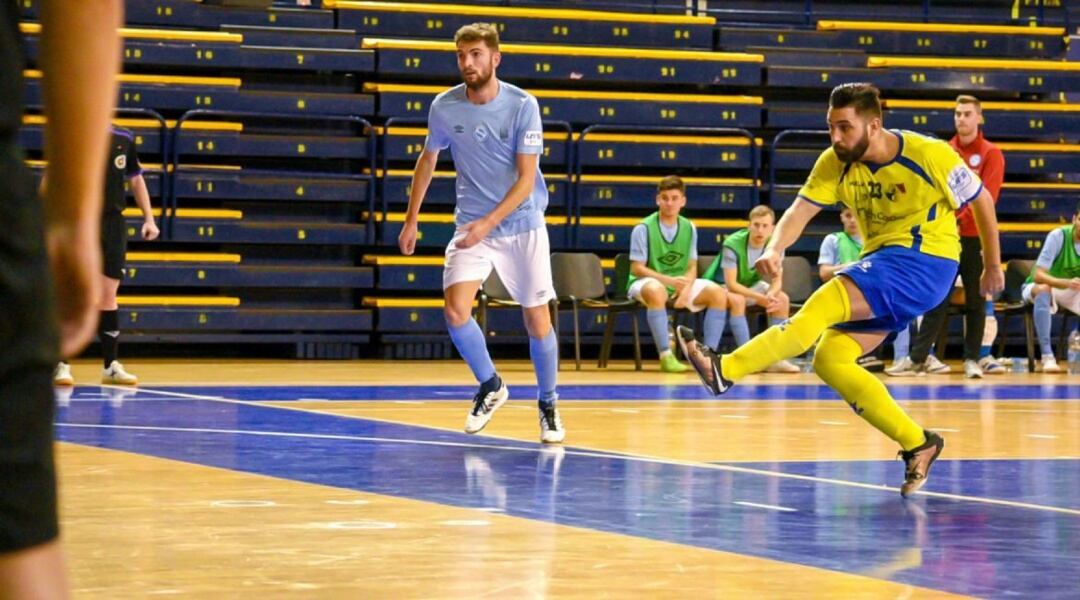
492	395
991	366
551	427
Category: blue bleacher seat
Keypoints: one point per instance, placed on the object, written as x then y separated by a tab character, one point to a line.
588	108
580	64
534	25
616	193
654	151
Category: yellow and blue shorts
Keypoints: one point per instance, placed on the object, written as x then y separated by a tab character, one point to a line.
899	284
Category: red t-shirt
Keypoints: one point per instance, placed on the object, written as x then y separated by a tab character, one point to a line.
988	163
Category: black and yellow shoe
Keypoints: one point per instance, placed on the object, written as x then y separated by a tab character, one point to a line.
917	462
704	360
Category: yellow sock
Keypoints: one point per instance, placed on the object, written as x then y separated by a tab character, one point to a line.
834	362
828	306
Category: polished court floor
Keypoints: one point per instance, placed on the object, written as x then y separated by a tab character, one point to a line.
353	480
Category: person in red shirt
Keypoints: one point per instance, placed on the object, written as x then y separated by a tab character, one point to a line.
988	163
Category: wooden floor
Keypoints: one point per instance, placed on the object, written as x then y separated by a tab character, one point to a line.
353	480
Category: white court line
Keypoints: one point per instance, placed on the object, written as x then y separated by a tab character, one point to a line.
625	410
585	452
834	423
1040	436
765	506
945	429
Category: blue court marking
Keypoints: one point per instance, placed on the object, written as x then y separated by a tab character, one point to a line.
952	392
965	547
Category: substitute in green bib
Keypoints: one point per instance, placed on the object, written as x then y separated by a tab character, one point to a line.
735	267
663	268
1054	283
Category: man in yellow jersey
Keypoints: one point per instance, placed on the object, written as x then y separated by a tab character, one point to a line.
904	189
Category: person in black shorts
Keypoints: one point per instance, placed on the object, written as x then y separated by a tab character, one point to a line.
123	165
49	260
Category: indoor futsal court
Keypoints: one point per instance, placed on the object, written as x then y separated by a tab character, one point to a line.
305	203
294	479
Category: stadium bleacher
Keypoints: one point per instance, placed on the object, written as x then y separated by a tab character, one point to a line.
279	142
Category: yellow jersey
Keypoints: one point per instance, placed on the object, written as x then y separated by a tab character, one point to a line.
910	201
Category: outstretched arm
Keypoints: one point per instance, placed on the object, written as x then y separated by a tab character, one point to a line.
788	230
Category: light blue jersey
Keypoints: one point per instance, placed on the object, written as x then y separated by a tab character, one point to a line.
484	141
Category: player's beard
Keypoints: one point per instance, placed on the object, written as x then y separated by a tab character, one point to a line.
856	152
482	77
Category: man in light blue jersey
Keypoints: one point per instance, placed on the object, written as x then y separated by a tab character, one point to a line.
495	136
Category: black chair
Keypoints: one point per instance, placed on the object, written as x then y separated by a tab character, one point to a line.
619	303
1012	303
493	294
798	281
579	282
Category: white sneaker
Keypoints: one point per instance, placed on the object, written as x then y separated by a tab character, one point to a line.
116	374
972	370
62	375
783	366
551	427
991	366
1049	364
902	367
485	403
936	367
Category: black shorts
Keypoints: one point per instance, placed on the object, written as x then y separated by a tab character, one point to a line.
113	244
28	354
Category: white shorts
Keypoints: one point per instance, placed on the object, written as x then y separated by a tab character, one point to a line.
523	262
634	291
760	287
1067	299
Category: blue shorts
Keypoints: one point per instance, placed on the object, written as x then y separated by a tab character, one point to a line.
899	285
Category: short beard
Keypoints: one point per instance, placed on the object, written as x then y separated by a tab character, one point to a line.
481	81
850	156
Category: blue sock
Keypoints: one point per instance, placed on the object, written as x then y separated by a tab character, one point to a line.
545	357
902	344
1042	323
715	319
470	343
984	350
740	329
657	318
775	320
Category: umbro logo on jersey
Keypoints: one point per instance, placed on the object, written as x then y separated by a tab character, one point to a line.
670	258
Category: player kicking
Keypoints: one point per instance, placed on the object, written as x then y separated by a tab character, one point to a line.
904	189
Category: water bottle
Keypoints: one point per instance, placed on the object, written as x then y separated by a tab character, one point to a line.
1074	352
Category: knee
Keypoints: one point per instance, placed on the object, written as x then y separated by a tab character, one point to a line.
736	303
715	296
785	304
654	295
1040	295
537	321
456	316
830	356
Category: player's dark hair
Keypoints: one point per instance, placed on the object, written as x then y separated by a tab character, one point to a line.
476	32
865	98
671	182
